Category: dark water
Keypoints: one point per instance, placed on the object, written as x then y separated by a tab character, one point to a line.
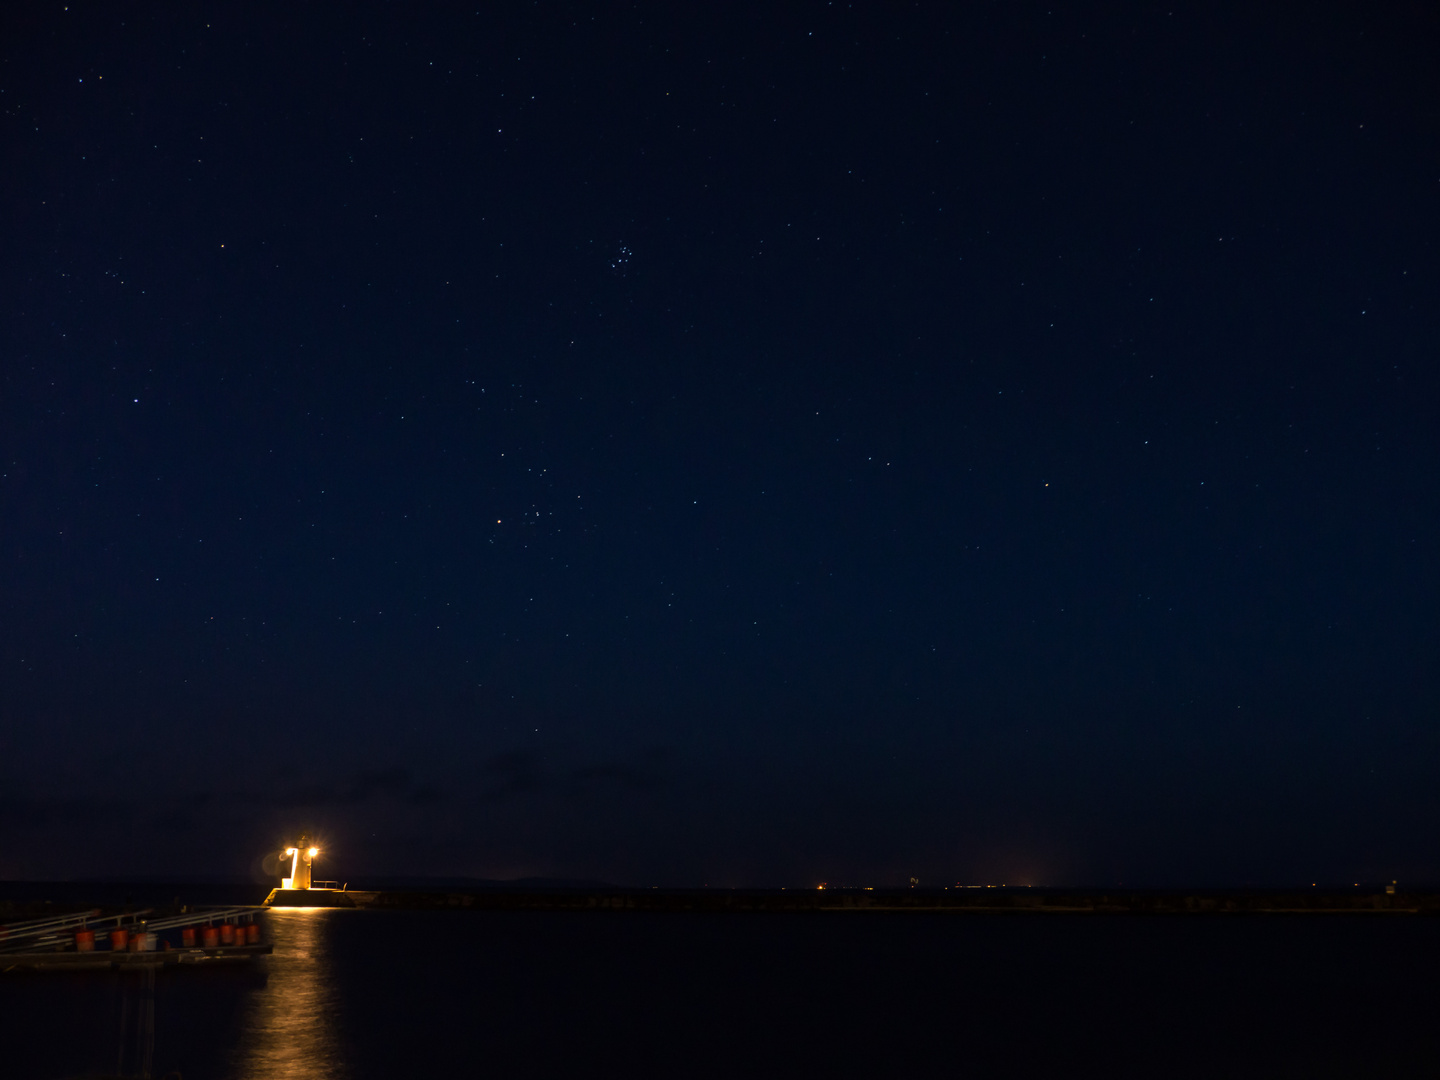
363	994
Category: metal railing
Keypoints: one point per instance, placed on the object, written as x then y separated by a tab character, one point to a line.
40	935
51	934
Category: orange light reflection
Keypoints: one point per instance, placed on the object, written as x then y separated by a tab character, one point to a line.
290	1031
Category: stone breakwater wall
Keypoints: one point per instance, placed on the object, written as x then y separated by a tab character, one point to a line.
948	901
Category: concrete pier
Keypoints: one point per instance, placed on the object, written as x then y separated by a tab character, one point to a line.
310	898
953	901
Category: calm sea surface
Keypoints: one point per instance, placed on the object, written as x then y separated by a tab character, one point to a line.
352	995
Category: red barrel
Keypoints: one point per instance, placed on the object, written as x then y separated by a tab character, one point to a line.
252	934
210	936
84	940
187	937
119	939
227	934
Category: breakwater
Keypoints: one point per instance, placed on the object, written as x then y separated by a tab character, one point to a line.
958	901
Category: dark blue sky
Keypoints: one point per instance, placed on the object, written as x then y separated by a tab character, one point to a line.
821	441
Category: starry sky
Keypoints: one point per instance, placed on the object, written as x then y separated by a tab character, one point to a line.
745	445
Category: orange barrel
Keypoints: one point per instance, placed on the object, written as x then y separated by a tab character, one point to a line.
252	934
84	940
119	939
227	934
140	941
210	935
187	937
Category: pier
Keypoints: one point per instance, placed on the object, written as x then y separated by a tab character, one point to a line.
949	901
95	941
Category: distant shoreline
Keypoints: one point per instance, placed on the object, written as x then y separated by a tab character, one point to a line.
27	899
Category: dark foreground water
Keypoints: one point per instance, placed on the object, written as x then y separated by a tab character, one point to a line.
367	994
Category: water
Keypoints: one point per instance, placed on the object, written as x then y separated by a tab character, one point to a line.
354	995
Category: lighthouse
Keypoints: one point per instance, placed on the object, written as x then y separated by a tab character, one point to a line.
300	889
301	856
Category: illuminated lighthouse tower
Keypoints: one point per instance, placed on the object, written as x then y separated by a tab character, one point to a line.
300	858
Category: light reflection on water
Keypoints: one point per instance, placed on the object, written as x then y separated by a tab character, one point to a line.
290	1030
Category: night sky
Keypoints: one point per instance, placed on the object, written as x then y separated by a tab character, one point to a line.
742	446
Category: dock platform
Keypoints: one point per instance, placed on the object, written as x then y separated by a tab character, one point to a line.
117	960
